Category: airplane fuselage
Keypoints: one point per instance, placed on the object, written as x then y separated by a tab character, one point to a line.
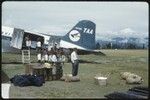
81	36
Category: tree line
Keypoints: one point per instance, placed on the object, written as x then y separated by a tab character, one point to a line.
110	45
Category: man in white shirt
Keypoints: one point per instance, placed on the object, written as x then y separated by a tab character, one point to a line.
39	56
28	42
75	62
45	55
39	44
54	60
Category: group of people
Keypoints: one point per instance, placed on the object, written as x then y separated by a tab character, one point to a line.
28	42
54	55
45	55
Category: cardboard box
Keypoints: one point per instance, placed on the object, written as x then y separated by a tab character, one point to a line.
100	80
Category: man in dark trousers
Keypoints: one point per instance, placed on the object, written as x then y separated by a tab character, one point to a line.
75	62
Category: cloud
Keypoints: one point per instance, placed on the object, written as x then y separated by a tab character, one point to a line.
51	30
8	22
112	18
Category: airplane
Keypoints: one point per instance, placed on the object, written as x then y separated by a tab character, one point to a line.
75	35
81	36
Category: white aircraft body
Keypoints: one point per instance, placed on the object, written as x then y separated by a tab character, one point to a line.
81	36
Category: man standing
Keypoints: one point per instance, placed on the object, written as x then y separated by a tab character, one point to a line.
28	42
38	44
75	62
39	56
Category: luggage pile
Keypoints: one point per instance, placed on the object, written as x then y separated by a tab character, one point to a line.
131	78
69	78
27	80
139	92
48	71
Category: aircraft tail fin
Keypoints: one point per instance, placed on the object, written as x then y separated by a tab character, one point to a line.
81	36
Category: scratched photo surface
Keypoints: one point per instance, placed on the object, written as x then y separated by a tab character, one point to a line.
110	38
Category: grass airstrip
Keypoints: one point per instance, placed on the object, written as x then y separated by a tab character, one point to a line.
114	62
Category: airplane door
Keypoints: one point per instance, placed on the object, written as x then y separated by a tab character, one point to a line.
17	38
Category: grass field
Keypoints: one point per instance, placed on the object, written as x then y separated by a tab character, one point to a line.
114	62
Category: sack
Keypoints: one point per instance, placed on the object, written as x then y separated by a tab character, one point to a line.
27	80
133	93
47	65
131	78
20	80
123	95
134	79
36	80
124	75
142	90
70	78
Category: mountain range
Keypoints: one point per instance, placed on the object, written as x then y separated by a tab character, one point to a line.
124	36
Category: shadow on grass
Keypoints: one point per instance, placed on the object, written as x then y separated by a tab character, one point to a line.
91	62
4	77
11	62
80	61
16	62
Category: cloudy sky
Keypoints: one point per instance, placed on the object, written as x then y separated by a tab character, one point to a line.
111	18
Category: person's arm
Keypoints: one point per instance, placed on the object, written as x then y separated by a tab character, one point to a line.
76	56
72	57
40	43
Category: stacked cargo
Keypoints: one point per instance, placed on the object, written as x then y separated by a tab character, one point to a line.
48	71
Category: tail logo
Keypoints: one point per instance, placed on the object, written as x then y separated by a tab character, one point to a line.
74	35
